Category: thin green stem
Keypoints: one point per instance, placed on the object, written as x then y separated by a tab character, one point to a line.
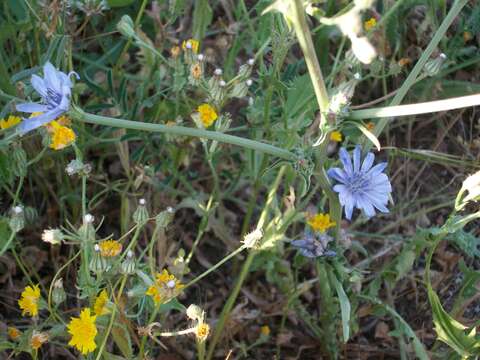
410	80
80	115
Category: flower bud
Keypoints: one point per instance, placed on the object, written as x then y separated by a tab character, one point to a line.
128	265
126	26
165	217
140	216
58	293
98	264
240	89
433	66
17	218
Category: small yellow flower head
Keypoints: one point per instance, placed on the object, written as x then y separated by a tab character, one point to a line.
370	24
62	136
336	136
321	222
196	71
207	114
370	126
100	306
265	330
201	331
190	44
175	51
165	287
9	122
154	292
110	248
38	339
467	36
13	333
28	301
83	331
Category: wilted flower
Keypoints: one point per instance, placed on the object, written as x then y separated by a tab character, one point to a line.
363	49
321	222
361	186
9	122
28	301
314	245
55	91
201	331
52	236
110	248
83	331
38	339
13	333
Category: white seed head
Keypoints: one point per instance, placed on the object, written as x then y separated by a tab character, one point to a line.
251	62
443	56
70	170
249	82
218	72
171	284
17	210
170	210
52	236
96	248
129	253
357	76
222	83
142	202
88	219
251	239
200	57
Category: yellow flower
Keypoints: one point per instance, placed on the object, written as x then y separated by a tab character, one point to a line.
201	331
100	308
38	339
321	222
207	114
9	122
404	61
175	51
265	330
370	24
336	136
13	333
110	248
154	292
165	287
83	331
467	36
192	44
62	136
28	301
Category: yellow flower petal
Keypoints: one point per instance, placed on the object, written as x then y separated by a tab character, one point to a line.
83	331
208	114
321	222
28	301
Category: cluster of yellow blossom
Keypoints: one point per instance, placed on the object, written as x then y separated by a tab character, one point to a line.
166	286
208	115
320	222
28	301
370	24
110	248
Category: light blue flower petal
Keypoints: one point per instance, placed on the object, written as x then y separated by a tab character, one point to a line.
337	174
377	169
31	107
346	161
39	85
349	210
52	80
357	154
32	123
367	162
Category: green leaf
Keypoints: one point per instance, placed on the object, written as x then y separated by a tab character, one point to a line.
119	3
122	339
404	263
450	331
202	17
345	307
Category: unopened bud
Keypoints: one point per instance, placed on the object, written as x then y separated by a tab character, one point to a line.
251	62
165	217
140	216
58	293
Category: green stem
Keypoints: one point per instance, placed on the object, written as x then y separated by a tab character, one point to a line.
245	269
328	310
416	109
410	80
80	115
302	31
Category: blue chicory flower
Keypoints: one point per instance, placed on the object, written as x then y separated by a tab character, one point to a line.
314	245
55	91
361	186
